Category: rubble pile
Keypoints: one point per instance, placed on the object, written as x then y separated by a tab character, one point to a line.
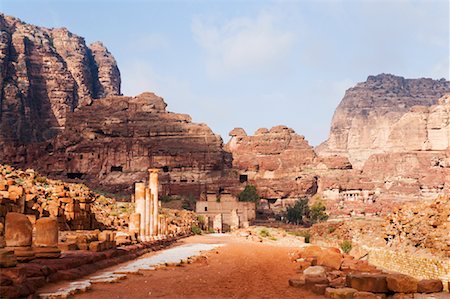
421	225
415	227
327	271
75	205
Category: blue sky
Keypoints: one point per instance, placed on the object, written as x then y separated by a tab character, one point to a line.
255	64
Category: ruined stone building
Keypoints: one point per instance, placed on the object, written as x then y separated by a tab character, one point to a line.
225	212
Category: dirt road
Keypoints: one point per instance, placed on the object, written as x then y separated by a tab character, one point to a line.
239	269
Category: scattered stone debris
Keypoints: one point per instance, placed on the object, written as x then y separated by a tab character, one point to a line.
327	271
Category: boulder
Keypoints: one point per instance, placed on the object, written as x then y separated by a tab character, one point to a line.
18	230
330	258
344	293
315	272
368	295
296	283
430	286
311	252
401	283
375	283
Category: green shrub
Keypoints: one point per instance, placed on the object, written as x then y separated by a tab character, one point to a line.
196	230
298	213
346	246
188	203
331	229
249	194
264	233
307	236
317	212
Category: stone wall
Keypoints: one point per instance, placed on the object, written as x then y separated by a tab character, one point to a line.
420	267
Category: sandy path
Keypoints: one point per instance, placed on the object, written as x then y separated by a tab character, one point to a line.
240	269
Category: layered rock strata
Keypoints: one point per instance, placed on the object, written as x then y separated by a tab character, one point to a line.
369	118
115	140
272	160
45	74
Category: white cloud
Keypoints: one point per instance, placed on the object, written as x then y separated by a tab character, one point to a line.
244	45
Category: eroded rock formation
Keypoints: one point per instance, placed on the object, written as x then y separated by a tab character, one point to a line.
115	140
370	115
44	75
272	160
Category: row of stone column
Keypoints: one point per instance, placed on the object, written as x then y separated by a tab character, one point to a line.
21	246
146	222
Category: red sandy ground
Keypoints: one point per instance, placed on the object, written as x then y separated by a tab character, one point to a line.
240	269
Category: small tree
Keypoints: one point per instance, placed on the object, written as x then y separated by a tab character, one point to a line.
249	194
298	212
317	212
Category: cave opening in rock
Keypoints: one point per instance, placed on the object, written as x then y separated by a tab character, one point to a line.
165	169
75	175
116	168
243	178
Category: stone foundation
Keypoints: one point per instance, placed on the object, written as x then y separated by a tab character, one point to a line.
417	266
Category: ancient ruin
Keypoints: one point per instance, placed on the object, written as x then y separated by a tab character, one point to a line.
225	211
147	222
90	178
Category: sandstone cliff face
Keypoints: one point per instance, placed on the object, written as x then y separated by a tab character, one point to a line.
44	75
422	128
366	117
115	140
273	160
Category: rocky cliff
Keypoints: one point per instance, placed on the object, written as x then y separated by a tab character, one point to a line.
45	74
115	140
367	120
61	113
279	162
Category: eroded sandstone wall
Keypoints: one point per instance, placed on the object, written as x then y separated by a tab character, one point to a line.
44	75
366	121
114	141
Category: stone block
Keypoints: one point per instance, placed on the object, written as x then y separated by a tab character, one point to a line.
46	232
97	246
401	283
7	258
430	286
297	283
319	289
338	282
366	282
18	230
344	293
311	251
330	258
68	246
311	281
302	265
47	252
368	295
315	272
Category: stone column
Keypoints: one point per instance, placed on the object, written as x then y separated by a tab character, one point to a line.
148	209
134	224
46	238
217	223
139	197
18	236
234	220
153	185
